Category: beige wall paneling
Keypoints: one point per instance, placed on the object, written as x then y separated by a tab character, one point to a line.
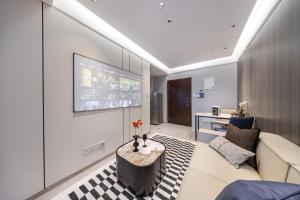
68	133
21	115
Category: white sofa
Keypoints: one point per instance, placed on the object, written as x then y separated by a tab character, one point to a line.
208	173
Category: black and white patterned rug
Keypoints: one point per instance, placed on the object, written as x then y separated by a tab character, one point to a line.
103	184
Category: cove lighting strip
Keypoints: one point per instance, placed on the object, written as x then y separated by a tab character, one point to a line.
80	13
259	14
209	63
262	9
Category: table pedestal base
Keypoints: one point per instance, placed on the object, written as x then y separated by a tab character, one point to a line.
141	180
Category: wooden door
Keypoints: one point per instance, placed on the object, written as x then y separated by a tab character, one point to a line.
179	101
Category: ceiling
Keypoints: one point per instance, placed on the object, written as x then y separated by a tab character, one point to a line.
155	71
199	31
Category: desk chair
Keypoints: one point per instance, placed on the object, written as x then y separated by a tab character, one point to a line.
240	122
223	122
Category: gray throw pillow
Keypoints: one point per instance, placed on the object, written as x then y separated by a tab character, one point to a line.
231	152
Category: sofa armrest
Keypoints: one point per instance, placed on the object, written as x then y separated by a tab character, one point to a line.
274	157
294	174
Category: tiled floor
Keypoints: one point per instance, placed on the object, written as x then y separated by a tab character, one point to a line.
183	132
174	130
53	192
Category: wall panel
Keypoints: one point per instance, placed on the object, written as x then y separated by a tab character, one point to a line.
254	92
126	60
68	133
274	78
127	124
135	63
21	117
135	114
126	111
146	96
21	109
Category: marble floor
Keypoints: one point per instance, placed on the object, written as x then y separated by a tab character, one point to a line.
174	130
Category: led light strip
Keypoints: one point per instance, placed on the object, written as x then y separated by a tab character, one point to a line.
262	9
259	14
80	13
208	63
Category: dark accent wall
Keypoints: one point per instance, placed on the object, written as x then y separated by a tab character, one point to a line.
269	73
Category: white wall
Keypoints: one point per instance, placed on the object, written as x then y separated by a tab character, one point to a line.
21	87
21	114
224	95
66	133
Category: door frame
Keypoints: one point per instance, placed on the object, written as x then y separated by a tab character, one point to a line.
191	89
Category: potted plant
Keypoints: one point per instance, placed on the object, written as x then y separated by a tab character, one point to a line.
241	111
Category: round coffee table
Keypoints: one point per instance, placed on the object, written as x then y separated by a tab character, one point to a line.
141	171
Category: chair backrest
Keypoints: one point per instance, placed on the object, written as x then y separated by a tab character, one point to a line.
242	122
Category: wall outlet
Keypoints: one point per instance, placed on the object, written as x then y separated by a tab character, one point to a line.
94	147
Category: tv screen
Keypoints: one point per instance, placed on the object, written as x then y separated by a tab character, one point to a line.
101	86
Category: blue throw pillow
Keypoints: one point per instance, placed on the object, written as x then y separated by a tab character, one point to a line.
260	190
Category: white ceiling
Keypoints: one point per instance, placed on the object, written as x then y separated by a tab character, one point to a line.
199	30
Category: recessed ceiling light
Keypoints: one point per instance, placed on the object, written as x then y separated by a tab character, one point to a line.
232	26
225	48
170	20
161	5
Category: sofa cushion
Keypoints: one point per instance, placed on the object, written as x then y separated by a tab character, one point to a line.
233	153
245	138
210	162
200	185
260	190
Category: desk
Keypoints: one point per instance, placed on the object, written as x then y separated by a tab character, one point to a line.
207	115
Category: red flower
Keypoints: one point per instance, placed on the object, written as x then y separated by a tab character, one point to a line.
135	124
140	122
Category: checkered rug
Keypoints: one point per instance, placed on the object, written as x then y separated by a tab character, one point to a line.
103	184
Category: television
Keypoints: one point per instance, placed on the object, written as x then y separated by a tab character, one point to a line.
98	86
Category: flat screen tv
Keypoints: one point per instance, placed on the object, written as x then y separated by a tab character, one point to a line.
100	86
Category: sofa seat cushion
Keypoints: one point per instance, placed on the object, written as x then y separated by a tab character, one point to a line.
199	185
212	163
